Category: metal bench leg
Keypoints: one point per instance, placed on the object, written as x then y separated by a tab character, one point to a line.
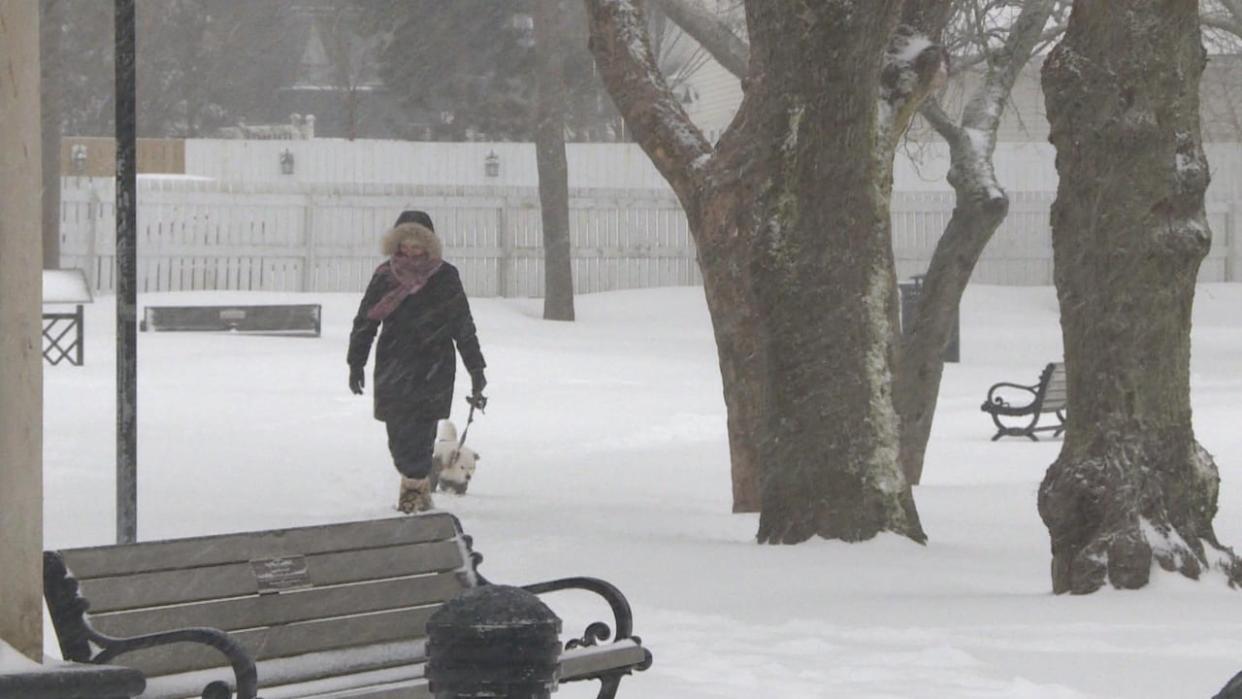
608	686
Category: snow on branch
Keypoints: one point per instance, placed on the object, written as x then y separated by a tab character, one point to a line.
653	113
913	66
983	111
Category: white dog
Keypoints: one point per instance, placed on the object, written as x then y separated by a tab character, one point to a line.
451	468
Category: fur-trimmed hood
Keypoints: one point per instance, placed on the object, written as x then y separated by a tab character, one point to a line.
414	233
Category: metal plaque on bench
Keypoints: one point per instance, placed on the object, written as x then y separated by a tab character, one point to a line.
280	574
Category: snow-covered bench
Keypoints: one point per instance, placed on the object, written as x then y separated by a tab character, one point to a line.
269	319
1047	396
336	610
25	679
63	330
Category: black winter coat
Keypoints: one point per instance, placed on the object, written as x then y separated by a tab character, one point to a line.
414	361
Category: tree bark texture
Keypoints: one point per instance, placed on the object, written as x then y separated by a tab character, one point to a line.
550	36
981	206
51	82
920	366
799	277
1131	486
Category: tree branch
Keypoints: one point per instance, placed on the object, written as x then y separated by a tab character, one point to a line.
966	62
653	113
983	111
712	33
1221	22
944	125
1234	8
914	66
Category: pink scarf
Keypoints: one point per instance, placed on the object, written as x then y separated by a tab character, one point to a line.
410	274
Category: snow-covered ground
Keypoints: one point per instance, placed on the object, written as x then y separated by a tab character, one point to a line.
604	454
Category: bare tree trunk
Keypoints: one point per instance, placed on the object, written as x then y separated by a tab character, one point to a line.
1132	486
808	273
980	208
550	37
916	386
51	81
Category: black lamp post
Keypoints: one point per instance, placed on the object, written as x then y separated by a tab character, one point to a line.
126	277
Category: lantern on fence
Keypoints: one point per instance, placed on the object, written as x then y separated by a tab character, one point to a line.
286	162
491	165
77	155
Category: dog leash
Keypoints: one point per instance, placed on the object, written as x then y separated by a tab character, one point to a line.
480	403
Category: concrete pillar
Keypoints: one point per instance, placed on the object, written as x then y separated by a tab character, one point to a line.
21	371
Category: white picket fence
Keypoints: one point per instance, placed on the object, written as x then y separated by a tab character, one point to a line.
204	234
267	236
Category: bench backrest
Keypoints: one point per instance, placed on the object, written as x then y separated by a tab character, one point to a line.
279	593
1055	396
302	319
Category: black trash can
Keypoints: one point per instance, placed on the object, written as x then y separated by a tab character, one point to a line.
910	293
493	641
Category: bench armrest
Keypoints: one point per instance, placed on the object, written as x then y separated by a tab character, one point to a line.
244	672
994	401
68	610
623	618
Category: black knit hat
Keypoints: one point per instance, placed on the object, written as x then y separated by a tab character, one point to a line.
415	216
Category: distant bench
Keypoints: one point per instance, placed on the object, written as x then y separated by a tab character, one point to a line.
62	330
336	610
289	319
1046	397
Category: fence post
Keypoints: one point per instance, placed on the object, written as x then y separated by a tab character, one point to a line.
310	259
1233	245
94	210
504	265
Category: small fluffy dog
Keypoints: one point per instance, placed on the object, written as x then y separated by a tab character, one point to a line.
451	468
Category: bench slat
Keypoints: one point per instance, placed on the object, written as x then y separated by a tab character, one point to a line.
575	663
331	669
288	640
285	608
410	689
238	579
396	683
99	561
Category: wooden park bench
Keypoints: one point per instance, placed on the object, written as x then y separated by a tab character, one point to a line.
1047	396
286	319
63	331
336	610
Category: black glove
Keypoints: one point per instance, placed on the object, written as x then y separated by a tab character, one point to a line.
478	382
357	379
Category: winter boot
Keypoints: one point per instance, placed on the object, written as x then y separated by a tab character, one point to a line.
415	495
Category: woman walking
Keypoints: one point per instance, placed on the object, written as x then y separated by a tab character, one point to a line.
416	301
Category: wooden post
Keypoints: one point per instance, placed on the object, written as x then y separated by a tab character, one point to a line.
21	337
